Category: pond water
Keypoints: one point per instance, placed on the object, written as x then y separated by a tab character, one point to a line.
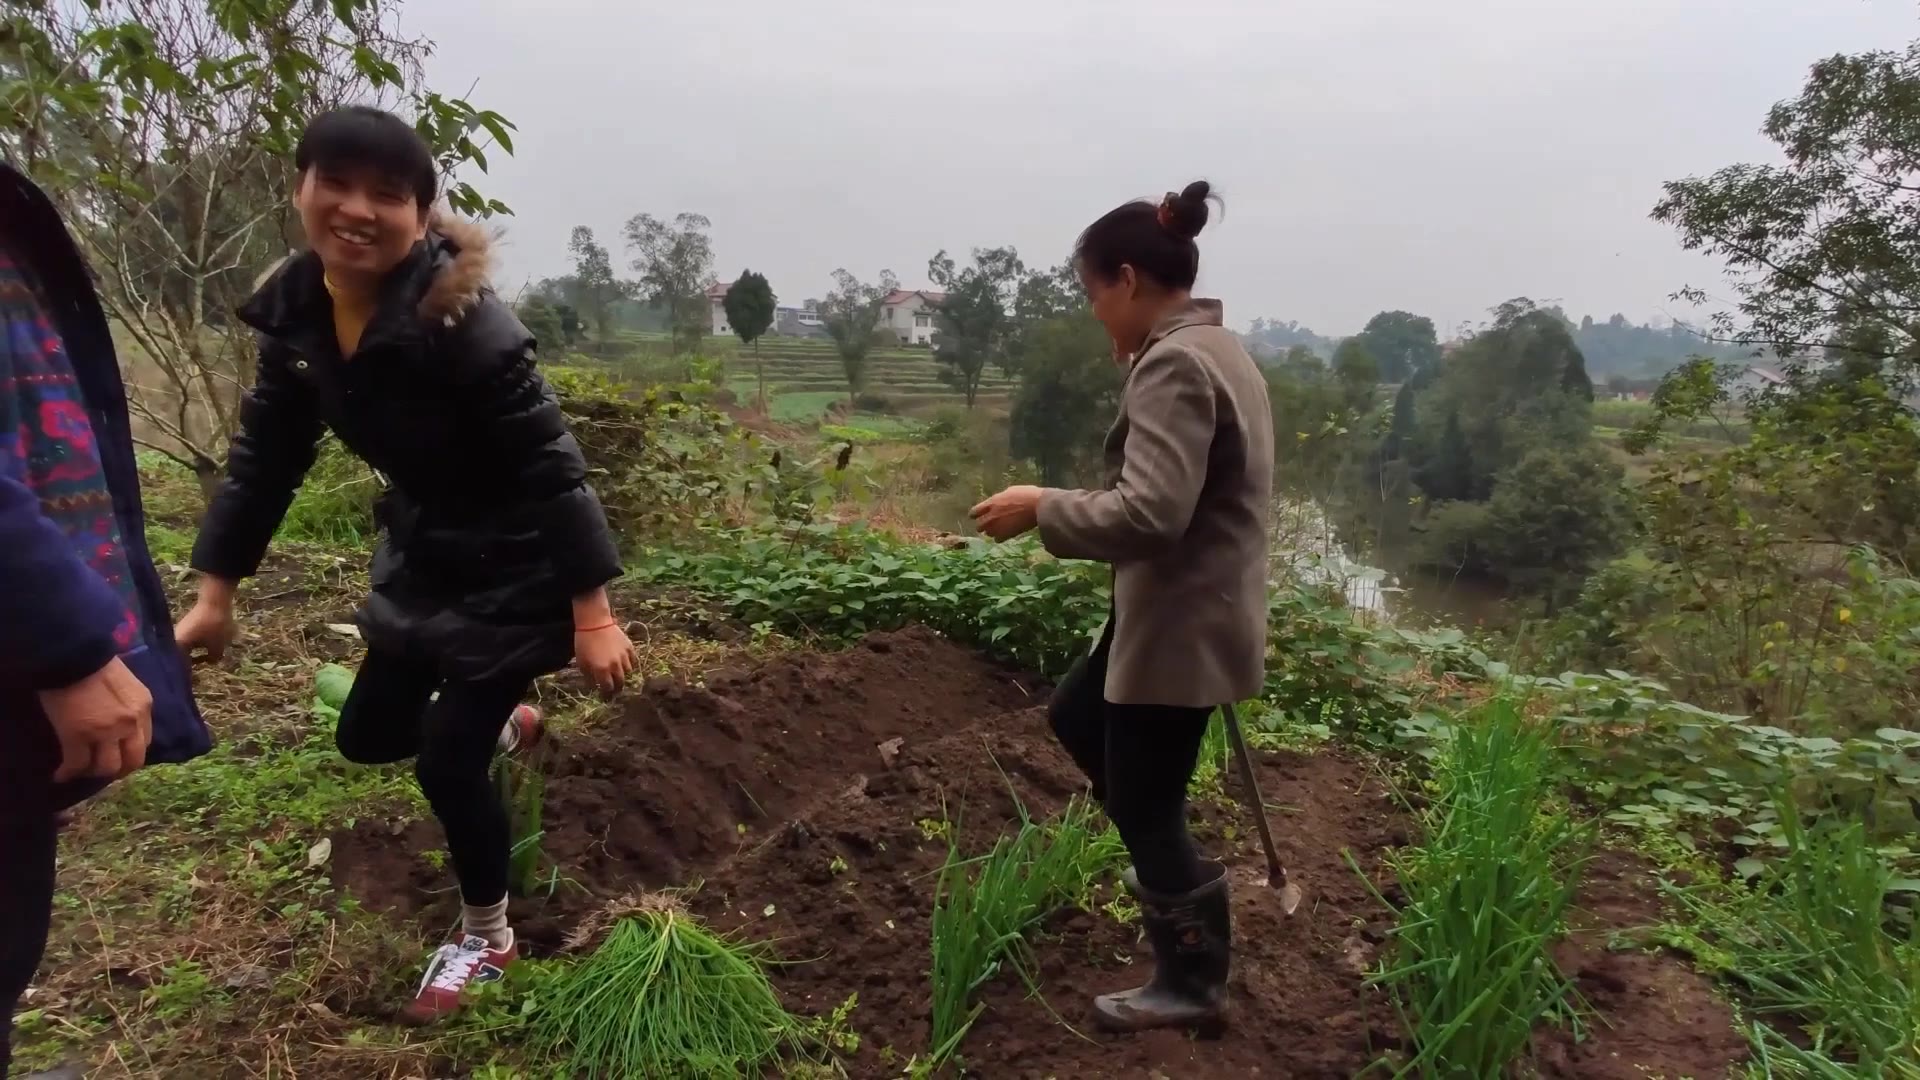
1305	543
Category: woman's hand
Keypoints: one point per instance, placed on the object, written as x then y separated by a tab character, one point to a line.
209	625
605	656
1010	513
601	648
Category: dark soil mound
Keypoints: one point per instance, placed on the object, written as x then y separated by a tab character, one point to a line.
795	795
1300	1008
689	775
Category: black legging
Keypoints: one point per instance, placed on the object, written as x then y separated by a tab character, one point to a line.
388	718
1140	759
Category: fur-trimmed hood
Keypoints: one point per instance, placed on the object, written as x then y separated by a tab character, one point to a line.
466	272
451	270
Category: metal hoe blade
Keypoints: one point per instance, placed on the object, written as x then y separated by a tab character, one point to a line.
1276	874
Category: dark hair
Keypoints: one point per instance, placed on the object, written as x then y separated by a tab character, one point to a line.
361	136
1156	239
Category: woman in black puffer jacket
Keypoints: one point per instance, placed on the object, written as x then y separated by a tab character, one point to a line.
495	554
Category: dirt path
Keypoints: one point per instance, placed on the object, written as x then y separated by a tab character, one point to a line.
803	797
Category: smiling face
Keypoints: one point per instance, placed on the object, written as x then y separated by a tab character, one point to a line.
1118	304
361	223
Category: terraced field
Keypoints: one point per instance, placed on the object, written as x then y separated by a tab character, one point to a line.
804	377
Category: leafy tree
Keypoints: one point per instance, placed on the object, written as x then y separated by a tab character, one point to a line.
163	131
1402	343
1447	474
675	263
1300	360
1506	390
1354	363
1271	336
976	319
542	320
1042	295
1069	393
750	307
851	314
1828	238
1317	416
1621	348
593	289
1556	516
569	320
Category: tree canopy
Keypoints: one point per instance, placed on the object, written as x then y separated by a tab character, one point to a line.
976	320
592	287
851	313
1828	240
675	263
1401	343
750	306
134	115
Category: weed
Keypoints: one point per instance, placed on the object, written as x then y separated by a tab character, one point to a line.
522	791
334	506
1809	942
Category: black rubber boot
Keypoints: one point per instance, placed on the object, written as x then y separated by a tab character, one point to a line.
1191	937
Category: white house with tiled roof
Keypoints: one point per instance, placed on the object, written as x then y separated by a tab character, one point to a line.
908	313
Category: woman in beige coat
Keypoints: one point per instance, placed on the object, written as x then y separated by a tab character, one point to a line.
1183	521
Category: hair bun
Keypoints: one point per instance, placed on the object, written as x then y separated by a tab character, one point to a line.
1185	213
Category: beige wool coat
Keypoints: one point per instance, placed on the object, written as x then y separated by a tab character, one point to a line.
1183	518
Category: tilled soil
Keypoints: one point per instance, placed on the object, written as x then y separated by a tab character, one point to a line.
802	796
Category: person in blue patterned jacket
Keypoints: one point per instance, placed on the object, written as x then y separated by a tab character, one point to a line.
91	684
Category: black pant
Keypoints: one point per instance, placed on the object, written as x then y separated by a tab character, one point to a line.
388	717
1140	759
26	908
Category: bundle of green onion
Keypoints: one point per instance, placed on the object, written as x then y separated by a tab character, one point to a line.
663	996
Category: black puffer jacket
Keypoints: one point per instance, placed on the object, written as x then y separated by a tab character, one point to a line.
489	527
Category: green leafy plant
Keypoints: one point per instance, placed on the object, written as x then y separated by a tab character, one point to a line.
331	685
1485	895
827	581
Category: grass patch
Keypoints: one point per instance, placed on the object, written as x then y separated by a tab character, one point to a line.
802	408
1486	896
984	906
1809	942
664	996
334	506
260	777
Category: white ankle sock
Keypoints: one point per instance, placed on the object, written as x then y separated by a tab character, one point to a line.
488	922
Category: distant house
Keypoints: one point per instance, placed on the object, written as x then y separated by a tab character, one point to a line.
802	321
717	301
1751	380
908	313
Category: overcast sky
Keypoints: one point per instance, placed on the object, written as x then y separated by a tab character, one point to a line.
1433	155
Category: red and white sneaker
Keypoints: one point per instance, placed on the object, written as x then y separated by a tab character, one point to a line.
453	967
523	730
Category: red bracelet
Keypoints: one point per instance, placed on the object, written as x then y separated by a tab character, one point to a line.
596	629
